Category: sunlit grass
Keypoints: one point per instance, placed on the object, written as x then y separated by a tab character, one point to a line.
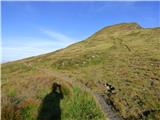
126	58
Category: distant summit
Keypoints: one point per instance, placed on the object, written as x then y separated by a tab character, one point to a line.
128	26
120	27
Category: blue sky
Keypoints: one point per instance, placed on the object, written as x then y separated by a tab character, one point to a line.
33	28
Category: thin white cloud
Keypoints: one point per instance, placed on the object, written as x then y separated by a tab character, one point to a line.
19	52
56	36
29	46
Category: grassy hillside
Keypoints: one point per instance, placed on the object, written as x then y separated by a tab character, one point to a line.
126	56
24	89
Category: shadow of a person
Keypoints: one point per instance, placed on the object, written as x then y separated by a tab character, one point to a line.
50	107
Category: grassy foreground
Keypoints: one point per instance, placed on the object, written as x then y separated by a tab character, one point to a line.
24	91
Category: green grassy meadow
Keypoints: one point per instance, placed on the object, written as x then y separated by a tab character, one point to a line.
124	55
23	93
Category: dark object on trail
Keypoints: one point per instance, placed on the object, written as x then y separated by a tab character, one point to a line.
50	107
109	89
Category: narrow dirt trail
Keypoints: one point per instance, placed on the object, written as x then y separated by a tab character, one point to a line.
106	108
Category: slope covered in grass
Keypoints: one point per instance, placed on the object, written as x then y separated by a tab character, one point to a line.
24	90
126	56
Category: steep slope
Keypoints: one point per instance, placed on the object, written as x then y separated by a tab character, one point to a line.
125	56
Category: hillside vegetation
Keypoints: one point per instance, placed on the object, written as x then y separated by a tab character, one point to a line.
126	56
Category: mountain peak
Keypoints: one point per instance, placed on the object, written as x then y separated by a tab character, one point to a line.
120	27
126	25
